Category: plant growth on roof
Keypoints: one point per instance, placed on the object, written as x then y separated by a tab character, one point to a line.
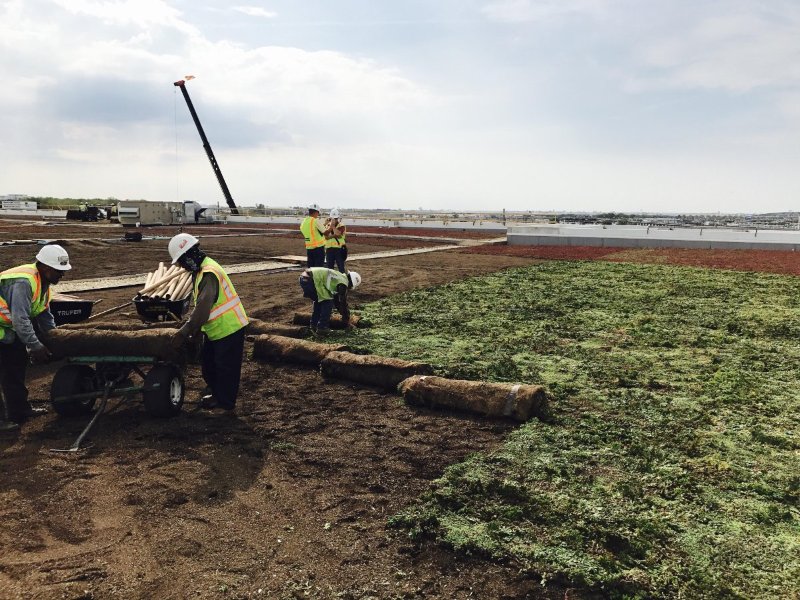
671	466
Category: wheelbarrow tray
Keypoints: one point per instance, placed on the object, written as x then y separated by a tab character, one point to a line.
159	309
71	310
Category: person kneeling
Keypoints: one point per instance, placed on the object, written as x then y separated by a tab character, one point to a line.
327	288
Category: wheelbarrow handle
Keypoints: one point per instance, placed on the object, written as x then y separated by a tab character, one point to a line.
110	310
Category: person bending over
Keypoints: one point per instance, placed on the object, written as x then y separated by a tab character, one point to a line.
25	317
327	288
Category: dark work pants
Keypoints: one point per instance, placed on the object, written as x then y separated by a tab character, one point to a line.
321	312
222	367
335	256
315	257
321	315
13	366
309	291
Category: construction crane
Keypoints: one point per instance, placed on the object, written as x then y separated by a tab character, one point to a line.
226	192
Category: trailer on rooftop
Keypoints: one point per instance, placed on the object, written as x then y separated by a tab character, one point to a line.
135	213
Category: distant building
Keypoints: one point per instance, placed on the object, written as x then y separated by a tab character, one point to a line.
17	202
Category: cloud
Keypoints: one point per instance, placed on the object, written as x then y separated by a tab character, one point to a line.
140	13
789	104
736	52
523	11
103	100
114	65
519	102
255	11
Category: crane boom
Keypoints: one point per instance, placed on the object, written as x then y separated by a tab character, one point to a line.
214	165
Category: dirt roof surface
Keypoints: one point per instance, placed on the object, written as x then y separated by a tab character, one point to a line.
289	498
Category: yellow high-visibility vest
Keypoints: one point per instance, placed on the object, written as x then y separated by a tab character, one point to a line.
336	241
326	281
39	301
227	314
312	236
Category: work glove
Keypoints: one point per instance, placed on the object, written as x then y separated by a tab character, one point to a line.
40	355
178	340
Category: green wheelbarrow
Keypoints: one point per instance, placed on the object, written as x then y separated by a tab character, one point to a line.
78	385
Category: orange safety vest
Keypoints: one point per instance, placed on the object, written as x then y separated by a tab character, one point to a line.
39	301
312	236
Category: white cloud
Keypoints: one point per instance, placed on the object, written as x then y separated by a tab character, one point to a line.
789	104
256	11
737	52
265	83
522	11
93	104
357	111
140	13
323	82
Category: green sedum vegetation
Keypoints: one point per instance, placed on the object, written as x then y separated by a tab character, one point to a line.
671	465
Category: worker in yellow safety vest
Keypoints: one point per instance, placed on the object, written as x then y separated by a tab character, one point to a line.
335	244
314	235
327	288
25	318
219	315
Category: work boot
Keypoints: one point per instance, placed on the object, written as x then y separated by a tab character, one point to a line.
208	402
8	426
25	413
221	411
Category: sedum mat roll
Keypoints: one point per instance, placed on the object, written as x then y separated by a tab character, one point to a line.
113	326
259	327
336	320
516	401
276	348
99	342
370	369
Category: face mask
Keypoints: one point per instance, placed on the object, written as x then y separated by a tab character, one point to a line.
190	262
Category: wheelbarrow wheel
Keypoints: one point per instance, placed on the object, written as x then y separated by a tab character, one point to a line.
71	380
163	391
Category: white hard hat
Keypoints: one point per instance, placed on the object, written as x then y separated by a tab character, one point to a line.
54	256
180	244
313	207
355	279
336	213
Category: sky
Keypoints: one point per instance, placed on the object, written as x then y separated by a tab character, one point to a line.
457	105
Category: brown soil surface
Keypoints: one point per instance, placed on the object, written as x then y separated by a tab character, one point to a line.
416	231
289	498
783	262
111	255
